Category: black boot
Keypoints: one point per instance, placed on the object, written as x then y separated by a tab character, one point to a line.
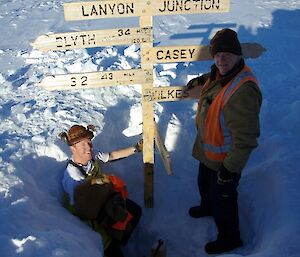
199	212
113	250
222	245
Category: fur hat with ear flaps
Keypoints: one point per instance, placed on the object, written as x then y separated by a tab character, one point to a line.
76	133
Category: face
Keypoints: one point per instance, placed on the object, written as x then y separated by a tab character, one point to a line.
82	151
225	61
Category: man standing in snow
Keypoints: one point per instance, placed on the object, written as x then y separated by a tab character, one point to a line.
97	197
227	122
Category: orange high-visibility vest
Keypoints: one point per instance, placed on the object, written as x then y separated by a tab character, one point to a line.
218	139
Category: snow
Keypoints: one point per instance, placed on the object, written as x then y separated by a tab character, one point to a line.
32	159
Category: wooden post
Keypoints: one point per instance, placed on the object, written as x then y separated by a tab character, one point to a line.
148	119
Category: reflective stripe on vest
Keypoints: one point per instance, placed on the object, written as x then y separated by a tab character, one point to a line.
218	139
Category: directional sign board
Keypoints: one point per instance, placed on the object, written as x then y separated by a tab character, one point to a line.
96	79
193	53
103	9
163	150
176	54
164	94
166	7
93	38
131	8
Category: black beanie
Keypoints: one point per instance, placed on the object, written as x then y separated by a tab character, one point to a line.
225	40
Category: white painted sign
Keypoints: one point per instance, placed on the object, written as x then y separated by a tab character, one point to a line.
164	94
93	38
96	79
120	8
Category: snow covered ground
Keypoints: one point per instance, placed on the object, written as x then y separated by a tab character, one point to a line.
33	222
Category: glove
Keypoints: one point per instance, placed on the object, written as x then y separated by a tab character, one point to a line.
224	175
104	157
139	146
195	82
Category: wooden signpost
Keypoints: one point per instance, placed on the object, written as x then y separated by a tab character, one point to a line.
132	8
150	55
93	38
191	53
96	79
164	94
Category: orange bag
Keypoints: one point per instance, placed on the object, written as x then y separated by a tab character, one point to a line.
119	186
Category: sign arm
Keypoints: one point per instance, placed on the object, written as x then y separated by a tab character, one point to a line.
163	150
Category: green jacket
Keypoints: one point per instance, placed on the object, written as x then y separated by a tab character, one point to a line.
241	114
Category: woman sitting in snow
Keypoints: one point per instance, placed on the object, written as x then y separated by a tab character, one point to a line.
96	197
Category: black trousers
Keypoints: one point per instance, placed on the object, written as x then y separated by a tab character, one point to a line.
220	200
120	236
136	211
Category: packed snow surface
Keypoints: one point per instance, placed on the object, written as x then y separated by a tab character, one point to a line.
32	158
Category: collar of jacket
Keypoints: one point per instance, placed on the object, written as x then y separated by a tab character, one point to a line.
223	80
91	169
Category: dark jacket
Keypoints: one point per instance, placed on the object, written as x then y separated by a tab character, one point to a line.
241	114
